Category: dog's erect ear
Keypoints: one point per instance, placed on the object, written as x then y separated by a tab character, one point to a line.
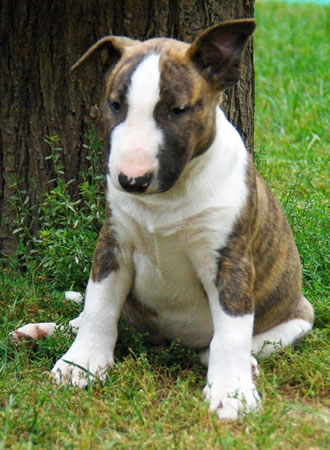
113	45
217	52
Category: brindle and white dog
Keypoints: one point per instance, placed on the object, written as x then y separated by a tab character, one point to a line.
194	245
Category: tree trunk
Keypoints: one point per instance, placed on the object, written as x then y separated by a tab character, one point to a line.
39	42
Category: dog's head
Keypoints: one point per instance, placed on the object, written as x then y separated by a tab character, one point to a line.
160	101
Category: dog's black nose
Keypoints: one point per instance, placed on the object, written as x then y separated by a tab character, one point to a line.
138	184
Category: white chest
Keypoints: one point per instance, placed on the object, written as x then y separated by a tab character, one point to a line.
170	269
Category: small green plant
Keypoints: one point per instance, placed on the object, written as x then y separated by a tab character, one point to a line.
23	220
63	247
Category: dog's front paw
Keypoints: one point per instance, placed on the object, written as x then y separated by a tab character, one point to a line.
78	369
233	402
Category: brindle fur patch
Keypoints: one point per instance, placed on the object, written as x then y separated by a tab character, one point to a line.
105	260
260	269
278	280
189	132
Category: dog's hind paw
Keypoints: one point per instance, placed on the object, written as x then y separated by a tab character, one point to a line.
254	367
33	331
74	297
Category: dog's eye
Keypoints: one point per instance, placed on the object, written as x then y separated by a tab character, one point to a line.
178	110
115	106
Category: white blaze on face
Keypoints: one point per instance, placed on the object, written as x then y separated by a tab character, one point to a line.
135	142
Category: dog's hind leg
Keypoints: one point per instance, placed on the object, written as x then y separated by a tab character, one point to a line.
287	333
291	332
75	323
35	331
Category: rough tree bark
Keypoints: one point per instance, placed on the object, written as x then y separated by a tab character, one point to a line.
39	41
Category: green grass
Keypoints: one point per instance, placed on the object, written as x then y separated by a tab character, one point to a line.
152	398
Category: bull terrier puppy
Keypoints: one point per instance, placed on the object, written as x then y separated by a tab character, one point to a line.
194	246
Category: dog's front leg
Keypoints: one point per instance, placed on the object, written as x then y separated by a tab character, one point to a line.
230	390
92	352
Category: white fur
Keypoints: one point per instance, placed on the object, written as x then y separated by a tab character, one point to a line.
74	297
230	390
204	359
33	331
75	323
136	141
282	335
